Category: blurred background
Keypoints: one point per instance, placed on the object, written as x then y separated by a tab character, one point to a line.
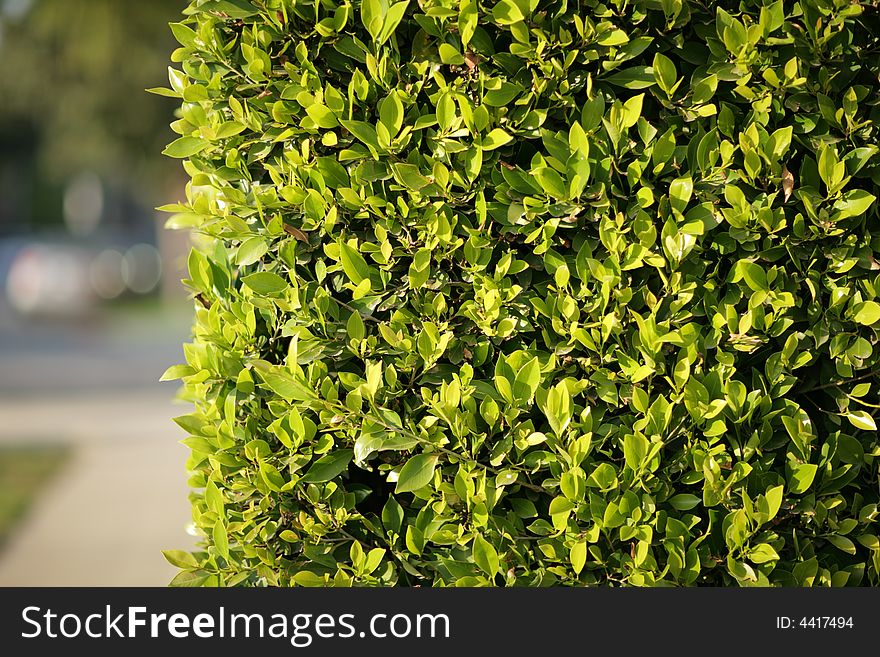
92	478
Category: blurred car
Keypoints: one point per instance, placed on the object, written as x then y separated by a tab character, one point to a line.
61	278
49	279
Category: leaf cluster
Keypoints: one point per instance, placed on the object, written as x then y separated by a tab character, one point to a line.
527	293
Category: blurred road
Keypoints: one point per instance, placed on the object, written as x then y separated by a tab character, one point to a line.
123	348
123	496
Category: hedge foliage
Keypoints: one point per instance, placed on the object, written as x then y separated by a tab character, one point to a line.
531	293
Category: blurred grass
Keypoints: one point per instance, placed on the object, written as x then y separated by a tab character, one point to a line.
24	470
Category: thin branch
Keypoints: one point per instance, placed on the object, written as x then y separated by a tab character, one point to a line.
355	310
835	384
859	401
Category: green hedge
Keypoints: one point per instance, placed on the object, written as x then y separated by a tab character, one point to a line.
531	293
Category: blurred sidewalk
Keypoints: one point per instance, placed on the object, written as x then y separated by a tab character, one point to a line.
122	497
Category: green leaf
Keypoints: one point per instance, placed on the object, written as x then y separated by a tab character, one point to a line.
635	449
450	56
772	17
578	556
557	407
286	386
392	515
374	559
180	559
502	96
664	148
232	8
591	114
527	380
372	18
214	498
362	131
190	579
867	313
428	343
485	556
506	478
831	170
869	541
184	34
289	536
774	501
507	12
416	473
192	423
495	139
551	182
177	372
391	113
842	543
355	326
780	141
186	147
365	445
703	90
251	250
162	91
763	553
637	77
735	36
632	110
613	38
752	273
308	579
853	204
322	116
684	502
328	466
272	478
468	17
800	476
199	445
665	74
680	191
604	477
392	19
410	176
221	539
265	282
353	263
861	420
560	510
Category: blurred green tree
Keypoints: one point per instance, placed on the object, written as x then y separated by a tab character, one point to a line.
72	89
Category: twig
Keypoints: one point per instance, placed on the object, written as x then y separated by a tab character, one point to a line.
835	384
355	310
859	401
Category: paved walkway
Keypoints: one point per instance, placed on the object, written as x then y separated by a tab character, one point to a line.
119	501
